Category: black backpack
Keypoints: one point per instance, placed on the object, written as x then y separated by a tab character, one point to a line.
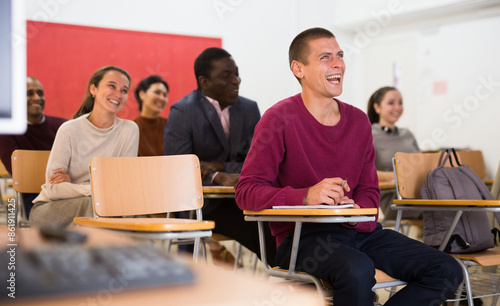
473	231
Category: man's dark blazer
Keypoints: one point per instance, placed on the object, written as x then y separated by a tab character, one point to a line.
194	127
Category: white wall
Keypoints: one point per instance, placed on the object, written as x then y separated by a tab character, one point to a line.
465	56
450	70
256	33
452	42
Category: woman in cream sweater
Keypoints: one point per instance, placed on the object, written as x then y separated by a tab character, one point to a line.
94	131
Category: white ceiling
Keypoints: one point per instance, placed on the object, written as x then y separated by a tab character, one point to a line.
410	13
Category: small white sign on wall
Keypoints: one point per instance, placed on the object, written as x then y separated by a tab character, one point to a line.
396	74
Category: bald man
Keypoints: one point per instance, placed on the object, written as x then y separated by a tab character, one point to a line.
40	132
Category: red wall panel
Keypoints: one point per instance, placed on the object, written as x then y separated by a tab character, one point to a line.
63	57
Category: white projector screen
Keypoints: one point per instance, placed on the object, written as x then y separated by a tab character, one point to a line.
12	67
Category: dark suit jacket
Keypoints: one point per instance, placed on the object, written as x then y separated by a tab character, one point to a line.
193	127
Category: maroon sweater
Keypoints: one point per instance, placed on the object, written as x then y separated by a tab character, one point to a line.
37	137
291	151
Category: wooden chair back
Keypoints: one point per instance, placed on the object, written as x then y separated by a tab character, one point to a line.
28	170
411	170
125	186
475	160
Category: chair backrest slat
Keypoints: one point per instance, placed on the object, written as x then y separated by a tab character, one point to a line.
28	170
411	170
475	160
124	186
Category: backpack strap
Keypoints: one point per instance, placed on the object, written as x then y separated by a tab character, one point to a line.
460	242
442	160
449	156
496	235
456	158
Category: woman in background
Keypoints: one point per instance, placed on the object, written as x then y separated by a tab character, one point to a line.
94	131
385	107
152	96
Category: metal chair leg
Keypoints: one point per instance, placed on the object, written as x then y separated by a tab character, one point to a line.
238	257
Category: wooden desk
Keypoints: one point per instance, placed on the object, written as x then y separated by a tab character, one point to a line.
228	191
213	286
299	216
486	258
325	215
4	175
457	206
218	192
386	185
488	182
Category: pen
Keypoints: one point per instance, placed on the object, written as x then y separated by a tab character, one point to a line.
343	183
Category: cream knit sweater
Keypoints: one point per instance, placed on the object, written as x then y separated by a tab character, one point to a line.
77	142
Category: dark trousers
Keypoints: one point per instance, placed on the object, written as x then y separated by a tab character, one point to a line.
28	202
230	222
347	259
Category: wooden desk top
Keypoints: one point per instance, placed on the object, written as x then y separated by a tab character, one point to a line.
213	285
488	181
229	189
419	202
484	258
146	224
218	189
218	192
386	185
391	184
315	212
30	237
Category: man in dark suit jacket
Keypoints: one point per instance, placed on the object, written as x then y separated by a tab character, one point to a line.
217	125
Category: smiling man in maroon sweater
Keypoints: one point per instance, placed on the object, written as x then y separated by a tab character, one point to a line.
304	148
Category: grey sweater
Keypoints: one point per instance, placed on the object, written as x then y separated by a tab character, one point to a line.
387	144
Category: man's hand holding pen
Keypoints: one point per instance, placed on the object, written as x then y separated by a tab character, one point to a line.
330	191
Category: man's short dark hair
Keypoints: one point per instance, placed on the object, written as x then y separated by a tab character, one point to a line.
203	63
299	48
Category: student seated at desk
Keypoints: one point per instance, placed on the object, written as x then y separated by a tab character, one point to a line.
216	123
40	132
152	96
303	150
95	131
385	107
